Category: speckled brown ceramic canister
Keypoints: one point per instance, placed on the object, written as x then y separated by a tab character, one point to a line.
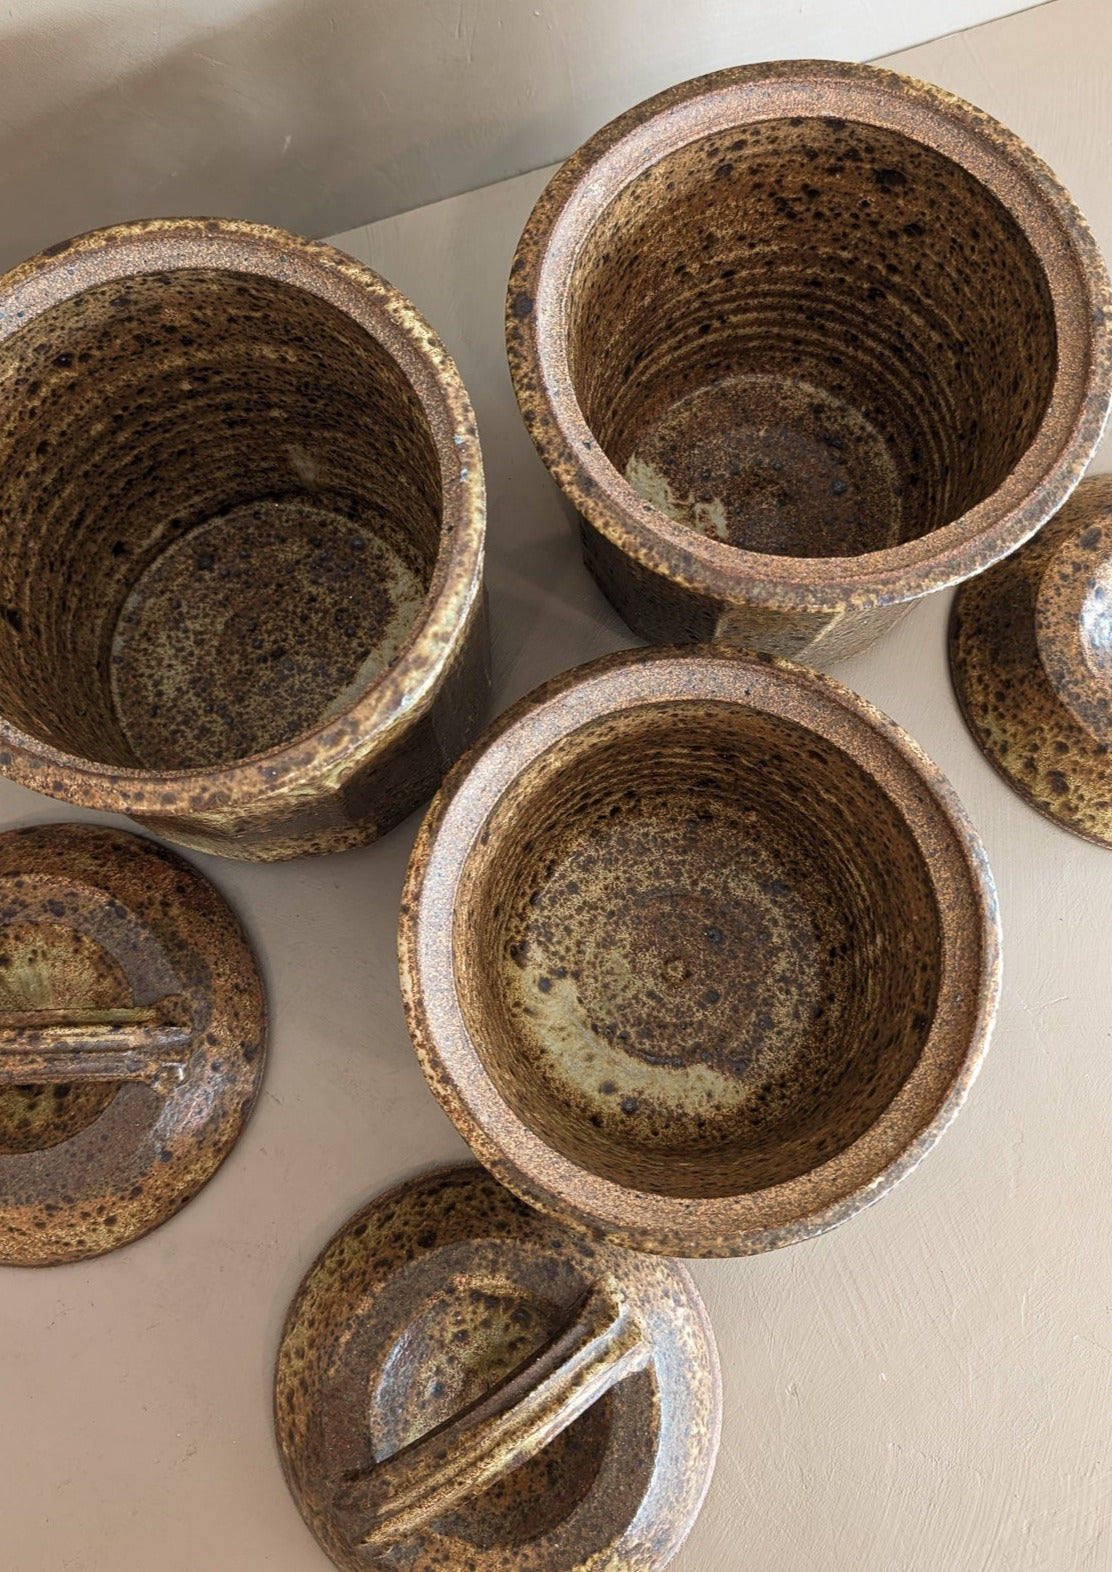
1031	660
132	1039
699	951
241	565
802	342
463	1383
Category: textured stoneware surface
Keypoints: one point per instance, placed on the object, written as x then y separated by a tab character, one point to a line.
802	342
241	575
923	1390
1031	659
463	1382
95	925
698	950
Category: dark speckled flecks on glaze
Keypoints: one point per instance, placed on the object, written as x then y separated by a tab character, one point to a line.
699	951
94	919
445	1298
241	579
803	341
1031	660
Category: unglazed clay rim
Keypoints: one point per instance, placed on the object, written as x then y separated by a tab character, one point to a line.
1059	237
754	1221
398	695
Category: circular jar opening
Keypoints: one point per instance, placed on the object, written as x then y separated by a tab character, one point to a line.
222	508
708	955
810	337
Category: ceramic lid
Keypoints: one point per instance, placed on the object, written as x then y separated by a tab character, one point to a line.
1031	659
463	1382
132	1039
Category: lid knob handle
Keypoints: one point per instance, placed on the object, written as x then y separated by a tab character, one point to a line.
148	1043
601	1344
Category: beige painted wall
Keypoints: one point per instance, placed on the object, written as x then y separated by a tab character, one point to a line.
322	114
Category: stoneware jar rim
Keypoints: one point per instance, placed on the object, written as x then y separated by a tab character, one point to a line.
786	1212
614	156
395	697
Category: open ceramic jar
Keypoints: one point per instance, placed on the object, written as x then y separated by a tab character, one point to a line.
803	341
241	570
698	950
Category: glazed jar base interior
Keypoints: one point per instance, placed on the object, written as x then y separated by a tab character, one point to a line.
714	958
230	525
772	464
254	627
810	337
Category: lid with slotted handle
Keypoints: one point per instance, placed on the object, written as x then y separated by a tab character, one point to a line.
132	1038
464	1382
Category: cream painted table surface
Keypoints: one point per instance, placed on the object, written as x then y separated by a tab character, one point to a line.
926	1389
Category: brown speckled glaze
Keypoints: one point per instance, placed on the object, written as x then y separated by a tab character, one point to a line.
802	342
698	950
1031	659
464	1383
241	569
132	1039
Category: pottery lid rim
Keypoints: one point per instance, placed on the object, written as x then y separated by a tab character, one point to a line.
674	1316
144	1155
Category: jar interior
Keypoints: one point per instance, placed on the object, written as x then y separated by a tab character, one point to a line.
222	504
699	951
810	337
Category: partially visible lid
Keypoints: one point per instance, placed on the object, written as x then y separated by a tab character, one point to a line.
132	1038
1031	660
464	1382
